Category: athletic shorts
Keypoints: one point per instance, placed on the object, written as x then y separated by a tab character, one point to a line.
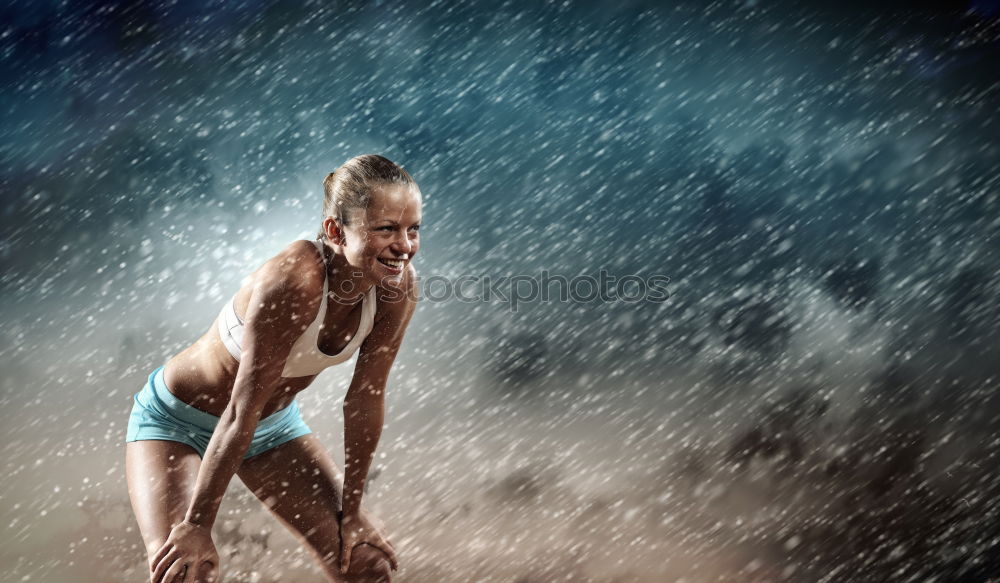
158	414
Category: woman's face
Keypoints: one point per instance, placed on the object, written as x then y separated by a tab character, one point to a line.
382	240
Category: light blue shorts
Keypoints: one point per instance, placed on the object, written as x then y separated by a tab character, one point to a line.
158	414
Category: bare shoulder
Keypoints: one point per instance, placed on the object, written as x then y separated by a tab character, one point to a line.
297	267
287	288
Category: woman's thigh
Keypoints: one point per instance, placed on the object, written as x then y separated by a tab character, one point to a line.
161	477
301	484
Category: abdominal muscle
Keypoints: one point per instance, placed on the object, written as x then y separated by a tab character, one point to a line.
203	375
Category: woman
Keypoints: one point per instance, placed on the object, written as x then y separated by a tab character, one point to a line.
229	398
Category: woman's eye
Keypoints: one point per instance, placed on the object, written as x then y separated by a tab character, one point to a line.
393	228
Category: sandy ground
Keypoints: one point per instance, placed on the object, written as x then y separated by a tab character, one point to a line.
525	491
510	499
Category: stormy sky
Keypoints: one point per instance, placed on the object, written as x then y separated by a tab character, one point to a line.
819	185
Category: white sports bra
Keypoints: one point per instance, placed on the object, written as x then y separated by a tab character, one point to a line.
305	358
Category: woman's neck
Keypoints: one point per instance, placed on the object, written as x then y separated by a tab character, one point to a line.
346	283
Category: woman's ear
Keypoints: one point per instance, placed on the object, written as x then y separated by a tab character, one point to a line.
334	231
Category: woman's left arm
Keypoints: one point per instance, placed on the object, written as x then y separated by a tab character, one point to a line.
364	404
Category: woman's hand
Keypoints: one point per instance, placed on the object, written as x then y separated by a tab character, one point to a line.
189	552
357	528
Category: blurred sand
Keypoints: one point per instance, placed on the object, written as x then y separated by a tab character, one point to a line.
517	488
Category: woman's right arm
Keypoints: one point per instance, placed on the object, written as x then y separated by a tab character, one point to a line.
283	301
229	443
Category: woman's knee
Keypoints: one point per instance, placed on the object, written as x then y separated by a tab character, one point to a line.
369	564
152	547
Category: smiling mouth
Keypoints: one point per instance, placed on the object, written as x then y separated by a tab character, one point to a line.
392	263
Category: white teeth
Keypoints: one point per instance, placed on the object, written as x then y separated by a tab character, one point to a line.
391	262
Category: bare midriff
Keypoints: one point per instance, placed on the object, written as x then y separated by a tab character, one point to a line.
203	375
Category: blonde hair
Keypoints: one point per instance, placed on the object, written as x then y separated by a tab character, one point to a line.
350	186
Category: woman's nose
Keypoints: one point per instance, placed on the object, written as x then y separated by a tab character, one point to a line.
403	244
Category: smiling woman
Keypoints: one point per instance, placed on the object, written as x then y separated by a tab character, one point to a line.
226	404
374	191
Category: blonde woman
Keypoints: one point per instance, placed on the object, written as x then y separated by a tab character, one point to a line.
226	404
